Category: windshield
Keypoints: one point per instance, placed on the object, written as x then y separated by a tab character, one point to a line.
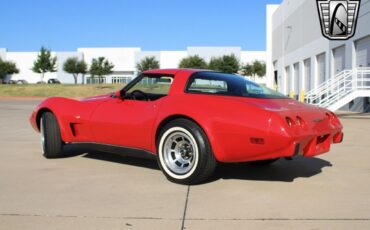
228	85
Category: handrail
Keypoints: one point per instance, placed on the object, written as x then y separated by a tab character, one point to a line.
334	89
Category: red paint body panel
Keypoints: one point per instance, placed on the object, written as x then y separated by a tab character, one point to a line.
239	129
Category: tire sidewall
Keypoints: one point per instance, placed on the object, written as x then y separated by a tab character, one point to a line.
161	153
42	135
53	144
196	133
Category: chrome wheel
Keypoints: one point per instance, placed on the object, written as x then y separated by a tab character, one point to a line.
178	152
42	135
184	152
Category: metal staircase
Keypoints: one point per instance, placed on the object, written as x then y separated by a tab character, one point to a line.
338	91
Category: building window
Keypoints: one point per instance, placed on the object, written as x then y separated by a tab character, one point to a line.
339	60
288	86
307	74
95	80
121	80
321	67
276	77
297	80
363	52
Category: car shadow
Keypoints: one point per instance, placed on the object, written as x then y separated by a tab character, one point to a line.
138	162
75	150
282	170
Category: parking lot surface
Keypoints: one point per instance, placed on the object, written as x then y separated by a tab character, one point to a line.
102	191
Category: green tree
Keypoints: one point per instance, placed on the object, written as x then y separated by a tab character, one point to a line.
6	68
225	64
100	67
193	62
256	68
259	68
216	64
44	63
74	66
82	67
247	70
147	64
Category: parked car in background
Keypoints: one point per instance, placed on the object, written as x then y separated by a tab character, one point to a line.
53	81
22	82
10	82
189	120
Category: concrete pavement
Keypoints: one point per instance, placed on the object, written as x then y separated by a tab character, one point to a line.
102	191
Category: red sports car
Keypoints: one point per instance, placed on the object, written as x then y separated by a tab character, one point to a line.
189	120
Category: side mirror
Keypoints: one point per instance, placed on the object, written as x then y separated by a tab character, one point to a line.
120	94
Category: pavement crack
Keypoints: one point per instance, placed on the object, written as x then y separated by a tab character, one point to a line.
185	208
77	216
184	217
279	219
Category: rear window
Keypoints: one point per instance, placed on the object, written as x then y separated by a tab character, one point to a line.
229	85
208	86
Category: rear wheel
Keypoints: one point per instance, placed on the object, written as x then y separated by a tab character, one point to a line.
184	153
51	141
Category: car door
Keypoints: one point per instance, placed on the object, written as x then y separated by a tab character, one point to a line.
128	122
124	122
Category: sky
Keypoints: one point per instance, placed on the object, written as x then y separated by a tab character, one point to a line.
153	25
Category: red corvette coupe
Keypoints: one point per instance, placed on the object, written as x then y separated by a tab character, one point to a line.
189	120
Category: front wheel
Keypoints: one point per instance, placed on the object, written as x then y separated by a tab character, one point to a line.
51	141
184	153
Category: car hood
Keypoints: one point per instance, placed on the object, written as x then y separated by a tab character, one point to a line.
97	98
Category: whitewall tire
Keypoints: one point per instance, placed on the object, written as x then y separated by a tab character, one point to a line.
184	153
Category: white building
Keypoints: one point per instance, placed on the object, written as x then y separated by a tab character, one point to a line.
124	60
300	61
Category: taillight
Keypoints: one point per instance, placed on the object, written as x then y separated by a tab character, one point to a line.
335	118
289	121
332	118
300	122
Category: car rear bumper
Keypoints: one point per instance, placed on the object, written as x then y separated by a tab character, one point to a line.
307	141
305	145
309	133
312	145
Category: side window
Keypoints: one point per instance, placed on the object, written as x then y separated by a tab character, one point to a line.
153	85
254	88
208	86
